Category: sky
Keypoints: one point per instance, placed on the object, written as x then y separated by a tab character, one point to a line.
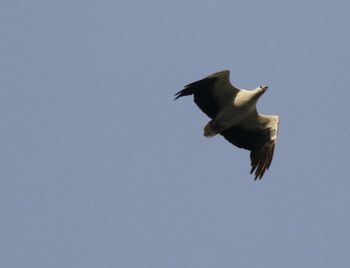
99	167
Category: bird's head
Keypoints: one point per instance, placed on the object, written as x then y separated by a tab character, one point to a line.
262	88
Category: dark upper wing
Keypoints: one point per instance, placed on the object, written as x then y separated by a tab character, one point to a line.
260	143
211	93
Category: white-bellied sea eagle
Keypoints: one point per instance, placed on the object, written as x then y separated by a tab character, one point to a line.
234	116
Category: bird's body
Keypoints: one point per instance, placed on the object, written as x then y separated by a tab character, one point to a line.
234	116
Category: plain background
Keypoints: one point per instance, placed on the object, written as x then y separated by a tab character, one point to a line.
101	168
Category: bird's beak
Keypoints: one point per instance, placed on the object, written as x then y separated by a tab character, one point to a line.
264	88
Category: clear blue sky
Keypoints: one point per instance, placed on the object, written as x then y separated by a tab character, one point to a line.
99	167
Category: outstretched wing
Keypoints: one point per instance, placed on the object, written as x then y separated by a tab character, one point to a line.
211	93
260	142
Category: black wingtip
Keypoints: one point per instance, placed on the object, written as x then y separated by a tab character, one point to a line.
177	95
185	92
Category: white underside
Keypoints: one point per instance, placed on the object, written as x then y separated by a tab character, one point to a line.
241	111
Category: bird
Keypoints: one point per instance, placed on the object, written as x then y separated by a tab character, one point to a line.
234	116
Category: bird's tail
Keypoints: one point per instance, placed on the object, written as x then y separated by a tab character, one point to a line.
210	130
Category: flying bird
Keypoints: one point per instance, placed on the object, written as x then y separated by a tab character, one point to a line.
233	115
